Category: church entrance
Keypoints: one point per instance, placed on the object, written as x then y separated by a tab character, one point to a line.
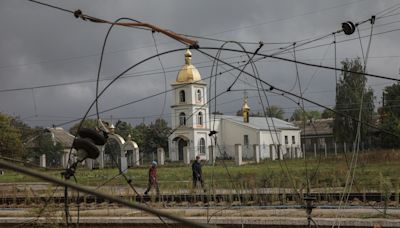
181	144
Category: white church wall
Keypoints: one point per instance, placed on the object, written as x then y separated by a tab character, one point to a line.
196	148
266	139
234	134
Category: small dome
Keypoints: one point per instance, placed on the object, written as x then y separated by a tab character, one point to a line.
188	72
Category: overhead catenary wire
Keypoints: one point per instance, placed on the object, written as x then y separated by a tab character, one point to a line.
164	74
295	95
226	63
353	164
89	191
295	62
72	12
265	42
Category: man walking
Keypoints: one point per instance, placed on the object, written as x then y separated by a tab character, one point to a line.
197	174
153	178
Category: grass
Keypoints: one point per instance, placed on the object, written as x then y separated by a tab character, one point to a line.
375	171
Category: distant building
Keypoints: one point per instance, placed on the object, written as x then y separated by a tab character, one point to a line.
317	132
57	136
192	123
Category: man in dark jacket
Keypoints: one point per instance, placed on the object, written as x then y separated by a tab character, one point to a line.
197	174
152	178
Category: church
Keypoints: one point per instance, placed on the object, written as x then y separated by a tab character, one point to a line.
265	137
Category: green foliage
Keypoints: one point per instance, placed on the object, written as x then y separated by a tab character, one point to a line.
52	151
148	137
157	136
350	91
299	114
274	111
10	139
25	130
327	114
124	129
45	145
88	123
390	115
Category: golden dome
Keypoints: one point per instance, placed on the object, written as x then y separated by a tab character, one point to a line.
188	72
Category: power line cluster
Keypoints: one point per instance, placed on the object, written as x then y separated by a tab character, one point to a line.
262	87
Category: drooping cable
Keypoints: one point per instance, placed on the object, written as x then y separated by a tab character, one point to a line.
362	49
335	62
316	71
164	74
101	59
354	159
295	95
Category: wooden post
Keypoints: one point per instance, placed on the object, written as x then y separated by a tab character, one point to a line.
326	151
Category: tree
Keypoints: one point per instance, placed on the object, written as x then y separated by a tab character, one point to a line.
25	130
274	111
390	115
153	136
327	114
299	114
140	135
124	129
157	135
53	151
10	139
88	123
351	90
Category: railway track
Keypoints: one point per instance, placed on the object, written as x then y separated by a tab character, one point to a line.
259	199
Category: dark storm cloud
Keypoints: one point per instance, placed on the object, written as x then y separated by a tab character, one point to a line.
41	46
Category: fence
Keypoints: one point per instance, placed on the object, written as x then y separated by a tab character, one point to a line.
331	149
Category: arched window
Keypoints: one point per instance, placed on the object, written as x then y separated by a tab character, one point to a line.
182	119
200	118
202	146
198	95
182	97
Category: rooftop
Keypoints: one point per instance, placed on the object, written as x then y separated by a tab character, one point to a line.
260	123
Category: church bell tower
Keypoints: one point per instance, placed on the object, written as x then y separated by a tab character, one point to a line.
190	117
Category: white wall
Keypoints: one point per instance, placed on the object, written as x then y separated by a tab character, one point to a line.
233	133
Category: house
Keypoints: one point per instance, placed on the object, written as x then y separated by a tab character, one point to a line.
58	136
316	133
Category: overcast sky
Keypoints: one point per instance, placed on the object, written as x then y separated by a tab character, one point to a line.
42	46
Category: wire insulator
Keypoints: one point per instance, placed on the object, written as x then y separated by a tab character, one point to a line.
78	13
